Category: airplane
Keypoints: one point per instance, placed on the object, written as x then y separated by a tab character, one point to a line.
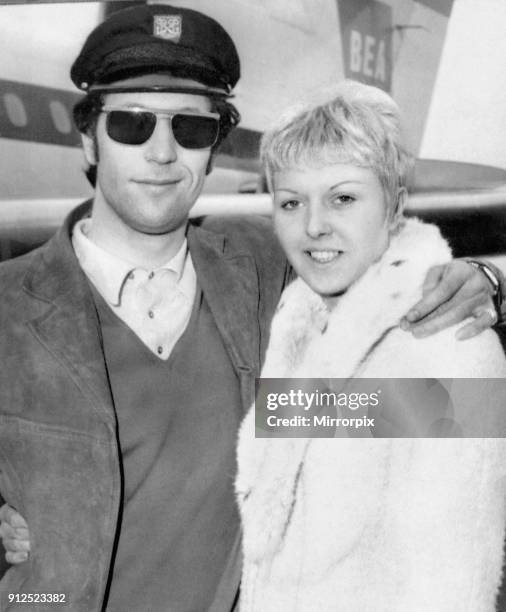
288	49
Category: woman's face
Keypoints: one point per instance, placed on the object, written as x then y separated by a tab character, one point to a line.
332	222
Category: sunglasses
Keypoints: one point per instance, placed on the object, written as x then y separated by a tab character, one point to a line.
134	126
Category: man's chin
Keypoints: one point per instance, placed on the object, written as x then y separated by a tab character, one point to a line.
162	228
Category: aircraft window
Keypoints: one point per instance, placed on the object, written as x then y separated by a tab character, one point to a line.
60	117
15	110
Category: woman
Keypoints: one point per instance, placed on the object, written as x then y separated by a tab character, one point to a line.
399	525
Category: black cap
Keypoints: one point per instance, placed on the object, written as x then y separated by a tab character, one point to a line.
158	38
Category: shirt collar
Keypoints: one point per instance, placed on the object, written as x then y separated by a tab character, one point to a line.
108	272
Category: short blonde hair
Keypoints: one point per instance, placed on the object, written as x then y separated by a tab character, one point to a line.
349	123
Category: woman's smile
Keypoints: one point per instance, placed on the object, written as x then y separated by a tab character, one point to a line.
323	257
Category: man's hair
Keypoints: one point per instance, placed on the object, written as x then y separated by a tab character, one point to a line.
350	123
87	111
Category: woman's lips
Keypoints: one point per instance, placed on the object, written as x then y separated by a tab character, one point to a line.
324	256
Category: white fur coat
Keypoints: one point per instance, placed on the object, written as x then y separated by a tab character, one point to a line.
383	525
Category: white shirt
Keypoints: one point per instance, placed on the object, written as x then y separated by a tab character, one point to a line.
155	304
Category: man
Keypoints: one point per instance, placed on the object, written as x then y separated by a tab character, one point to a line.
132	339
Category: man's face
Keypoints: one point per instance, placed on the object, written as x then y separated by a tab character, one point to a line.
149	188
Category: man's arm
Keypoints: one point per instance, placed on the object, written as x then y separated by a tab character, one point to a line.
452	293
14	535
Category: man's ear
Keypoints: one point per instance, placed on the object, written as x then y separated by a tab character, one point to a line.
90	149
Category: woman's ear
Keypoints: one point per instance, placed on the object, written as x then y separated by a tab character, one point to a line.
398	210
402	198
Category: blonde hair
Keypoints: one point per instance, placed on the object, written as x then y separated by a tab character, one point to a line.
349	123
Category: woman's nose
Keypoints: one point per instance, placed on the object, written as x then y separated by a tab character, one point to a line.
317	223
161	147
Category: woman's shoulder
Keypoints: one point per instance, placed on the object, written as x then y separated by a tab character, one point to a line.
400	354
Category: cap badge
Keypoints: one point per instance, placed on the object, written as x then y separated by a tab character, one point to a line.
168	27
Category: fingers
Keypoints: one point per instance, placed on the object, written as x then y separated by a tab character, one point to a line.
441	319
15	558
12	517
455	311
17	548
14	534
8	533
16	545
482	321
452	293
438	288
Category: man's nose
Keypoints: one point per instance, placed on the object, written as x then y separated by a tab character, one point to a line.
317	223
161	147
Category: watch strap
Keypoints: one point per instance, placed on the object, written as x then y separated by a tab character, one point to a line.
495	279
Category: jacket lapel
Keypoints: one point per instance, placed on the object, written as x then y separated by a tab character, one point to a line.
65	320
229	282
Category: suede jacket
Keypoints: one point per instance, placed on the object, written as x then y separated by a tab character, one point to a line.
59	459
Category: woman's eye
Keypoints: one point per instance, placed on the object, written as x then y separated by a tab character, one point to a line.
343	199
290	204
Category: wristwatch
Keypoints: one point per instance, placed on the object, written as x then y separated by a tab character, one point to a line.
495	281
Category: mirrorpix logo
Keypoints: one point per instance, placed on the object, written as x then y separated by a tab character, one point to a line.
168	27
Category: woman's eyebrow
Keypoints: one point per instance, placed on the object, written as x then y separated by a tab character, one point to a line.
346	182
286	189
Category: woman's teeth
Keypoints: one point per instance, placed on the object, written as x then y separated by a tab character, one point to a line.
324	256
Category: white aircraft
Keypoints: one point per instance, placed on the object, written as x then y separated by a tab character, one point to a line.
288	49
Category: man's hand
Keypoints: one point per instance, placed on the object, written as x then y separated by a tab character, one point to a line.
14	534
451	293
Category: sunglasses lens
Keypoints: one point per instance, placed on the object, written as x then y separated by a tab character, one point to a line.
194	132
130	128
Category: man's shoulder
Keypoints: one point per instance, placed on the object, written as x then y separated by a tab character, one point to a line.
251	234
247	225
41	263
13	271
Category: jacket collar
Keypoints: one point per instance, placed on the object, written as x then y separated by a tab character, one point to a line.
56	276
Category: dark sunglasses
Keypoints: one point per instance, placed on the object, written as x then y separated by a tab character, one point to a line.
134	126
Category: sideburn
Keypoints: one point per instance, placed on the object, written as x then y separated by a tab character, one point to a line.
91	170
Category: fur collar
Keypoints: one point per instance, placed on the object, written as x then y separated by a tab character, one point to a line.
303	334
